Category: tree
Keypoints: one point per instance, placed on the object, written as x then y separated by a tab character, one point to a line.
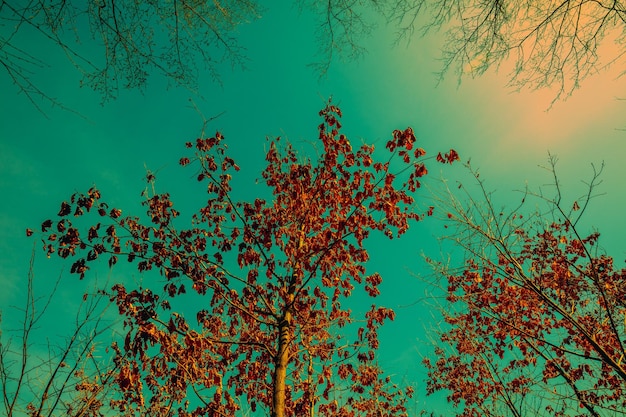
536	317
553	42
253	305
68	379
133	38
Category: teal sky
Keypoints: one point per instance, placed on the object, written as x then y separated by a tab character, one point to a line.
506	134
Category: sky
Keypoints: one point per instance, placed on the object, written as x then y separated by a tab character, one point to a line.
506	134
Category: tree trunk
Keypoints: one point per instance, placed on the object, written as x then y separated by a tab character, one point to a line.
285	334
282	360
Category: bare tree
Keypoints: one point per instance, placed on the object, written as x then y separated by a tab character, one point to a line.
134	38
342	26
554	43
43	377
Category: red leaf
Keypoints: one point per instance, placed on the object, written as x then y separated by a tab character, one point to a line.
452	156
420	170
94	193
93	232
419	152
46	225
65	209
79	267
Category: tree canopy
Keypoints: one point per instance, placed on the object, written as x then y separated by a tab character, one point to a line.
251	306
132	40
553	43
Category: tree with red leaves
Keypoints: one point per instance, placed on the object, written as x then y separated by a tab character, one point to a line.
251	310
536	318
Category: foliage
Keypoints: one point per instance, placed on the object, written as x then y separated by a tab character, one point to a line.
39	377
261	285
537	324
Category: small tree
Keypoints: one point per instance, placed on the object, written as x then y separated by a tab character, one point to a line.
267	324
536	323
42	377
